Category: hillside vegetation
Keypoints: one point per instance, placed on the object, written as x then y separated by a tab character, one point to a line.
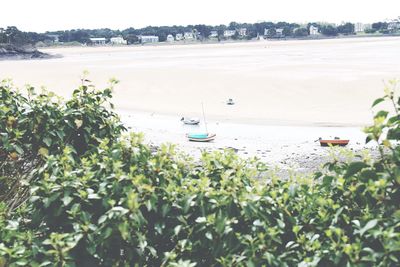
75	190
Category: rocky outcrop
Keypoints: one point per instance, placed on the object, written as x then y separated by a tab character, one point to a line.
8	51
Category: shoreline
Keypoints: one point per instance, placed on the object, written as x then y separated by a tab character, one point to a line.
243	120
285	148
22	57
211	42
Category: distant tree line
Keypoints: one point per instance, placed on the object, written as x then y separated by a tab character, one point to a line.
381	27
201	31
11	35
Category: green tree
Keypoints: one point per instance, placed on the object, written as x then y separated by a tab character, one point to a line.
287	31
329	30
131	38
203	30
379	26
300	32
346	29
271	32
3	37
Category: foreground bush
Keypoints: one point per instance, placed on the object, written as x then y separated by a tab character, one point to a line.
124	205
37	125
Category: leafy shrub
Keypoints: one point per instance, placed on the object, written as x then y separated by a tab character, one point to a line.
124	205
38	125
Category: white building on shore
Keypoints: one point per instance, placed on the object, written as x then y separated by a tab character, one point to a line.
279	32
242	31
55	37
394	25
149	39
361	27
313	30
98	41
213	34
229	33
179	37
189	36
118	40
170	38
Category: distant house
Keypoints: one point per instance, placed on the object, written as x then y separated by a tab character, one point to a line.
54	38
242	31
394	25
229	33
170	38
213	34
279	33
118	41
198	36
98	41
179	37
149	39
313	30
189	36
361	27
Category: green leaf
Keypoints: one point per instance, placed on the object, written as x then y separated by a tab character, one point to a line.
327	180
355	167
371	224
201	220
102	219
43	151
377	101
47	141
66	200
18	149
22	262
177	229
381	113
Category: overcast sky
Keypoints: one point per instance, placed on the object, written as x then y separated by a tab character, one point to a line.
43	15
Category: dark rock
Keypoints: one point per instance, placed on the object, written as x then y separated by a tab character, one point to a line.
9	51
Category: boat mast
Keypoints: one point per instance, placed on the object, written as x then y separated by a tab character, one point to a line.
204	117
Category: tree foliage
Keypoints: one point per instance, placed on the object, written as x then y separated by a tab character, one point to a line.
301	32
329	30
291	30
11	35
41	124
346	29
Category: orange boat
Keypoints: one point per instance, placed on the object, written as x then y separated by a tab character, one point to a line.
334	142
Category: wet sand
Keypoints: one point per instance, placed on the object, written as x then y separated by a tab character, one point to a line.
285	147
314	83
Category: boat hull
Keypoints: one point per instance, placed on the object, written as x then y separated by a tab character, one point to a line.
208	138
335	142
191	122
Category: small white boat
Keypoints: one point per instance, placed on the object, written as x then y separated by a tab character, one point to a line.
230	102
190	121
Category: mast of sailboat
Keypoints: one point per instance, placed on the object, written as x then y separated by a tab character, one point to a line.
204	117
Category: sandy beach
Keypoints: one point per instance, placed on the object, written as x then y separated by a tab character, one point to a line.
321	83
286	93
